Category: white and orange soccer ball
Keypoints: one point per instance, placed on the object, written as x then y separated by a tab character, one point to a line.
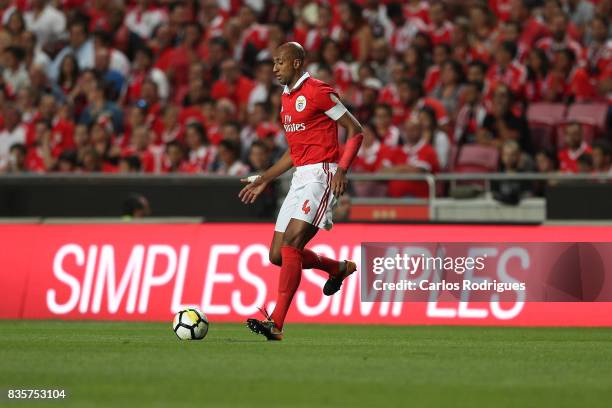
190	324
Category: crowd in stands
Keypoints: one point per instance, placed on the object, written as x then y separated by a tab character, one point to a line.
187	86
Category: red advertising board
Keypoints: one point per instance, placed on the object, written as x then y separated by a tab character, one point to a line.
147	272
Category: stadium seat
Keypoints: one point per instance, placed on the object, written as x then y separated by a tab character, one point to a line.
591	114
546	113
477	159
543	119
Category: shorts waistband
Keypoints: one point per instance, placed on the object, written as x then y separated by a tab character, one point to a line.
317	166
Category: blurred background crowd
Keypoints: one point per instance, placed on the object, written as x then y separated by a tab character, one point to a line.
187	86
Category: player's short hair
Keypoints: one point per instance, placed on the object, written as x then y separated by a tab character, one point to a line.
294	50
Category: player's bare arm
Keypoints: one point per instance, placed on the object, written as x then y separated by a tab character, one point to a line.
255	187
354	132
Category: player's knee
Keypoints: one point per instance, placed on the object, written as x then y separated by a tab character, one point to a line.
275	258
295	241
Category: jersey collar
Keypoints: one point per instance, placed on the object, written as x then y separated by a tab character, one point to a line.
297	84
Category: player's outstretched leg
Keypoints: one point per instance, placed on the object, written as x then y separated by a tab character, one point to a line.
334	283
337	270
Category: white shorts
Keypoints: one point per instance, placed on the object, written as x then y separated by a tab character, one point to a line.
310	197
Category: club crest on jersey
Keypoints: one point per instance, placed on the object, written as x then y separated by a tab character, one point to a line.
300	103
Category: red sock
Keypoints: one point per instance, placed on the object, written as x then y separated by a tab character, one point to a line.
313	260
288	282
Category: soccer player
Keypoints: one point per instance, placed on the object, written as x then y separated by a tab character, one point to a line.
310	114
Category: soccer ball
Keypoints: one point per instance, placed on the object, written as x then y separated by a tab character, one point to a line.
190	324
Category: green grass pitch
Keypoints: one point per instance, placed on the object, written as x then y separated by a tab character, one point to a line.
144	364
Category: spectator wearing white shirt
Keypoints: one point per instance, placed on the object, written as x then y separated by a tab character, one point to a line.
434	136
14	132
79	44
144	18
14	73
229	163
47	22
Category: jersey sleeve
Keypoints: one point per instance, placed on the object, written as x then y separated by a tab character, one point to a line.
326	99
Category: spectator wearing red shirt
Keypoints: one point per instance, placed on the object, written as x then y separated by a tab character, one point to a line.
511	31
372	156
62	129
233	85
171	129
482	25
143	69
532	29
40	157
382	120
330	56
440	29
174	159
537	70
416	156
575	147
441	54
560	39
567	82
507	70
417	9
501	8
175	62
140	146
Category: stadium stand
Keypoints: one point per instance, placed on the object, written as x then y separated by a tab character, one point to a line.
187	87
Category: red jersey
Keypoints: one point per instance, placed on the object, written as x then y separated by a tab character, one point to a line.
372	158
568	159
423	156
308	114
